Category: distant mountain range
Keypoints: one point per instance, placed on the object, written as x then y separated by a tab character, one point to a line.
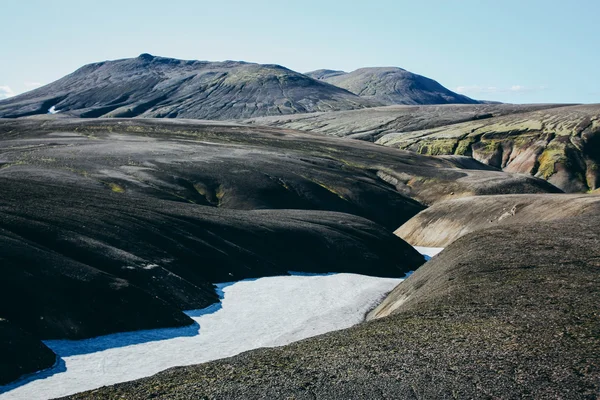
158	87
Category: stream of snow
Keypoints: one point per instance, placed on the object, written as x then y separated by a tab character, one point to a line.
257	313
264	312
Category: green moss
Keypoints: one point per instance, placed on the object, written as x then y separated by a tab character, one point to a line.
437	147
548	161
330	189
219	194
489	146
464	147
116	188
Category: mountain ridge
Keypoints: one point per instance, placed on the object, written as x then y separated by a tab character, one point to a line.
392	85
150	86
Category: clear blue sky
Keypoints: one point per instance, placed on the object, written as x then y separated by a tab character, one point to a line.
508	50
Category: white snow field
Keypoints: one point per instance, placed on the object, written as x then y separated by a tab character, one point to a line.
254	313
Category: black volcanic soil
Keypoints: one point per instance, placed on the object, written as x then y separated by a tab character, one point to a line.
20	353
508	312
158	87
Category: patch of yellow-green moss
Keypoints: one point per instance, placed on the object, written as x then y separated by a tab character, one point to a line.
330	189
437	147
464	146
548	160
116	188
219	194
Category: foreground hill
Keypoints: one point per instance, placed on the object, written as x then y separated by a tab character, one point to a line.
117	225
560	145
446	221
507	312
149	86
392	85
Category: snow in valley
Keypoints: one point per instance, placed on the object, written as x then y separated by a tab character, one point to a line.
255	313
263	312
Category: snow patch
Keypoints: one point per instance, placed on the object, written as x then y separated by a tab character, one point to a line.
253	313
428	252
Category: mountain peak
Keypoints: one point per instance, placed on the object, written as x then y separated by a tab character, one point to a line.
146	57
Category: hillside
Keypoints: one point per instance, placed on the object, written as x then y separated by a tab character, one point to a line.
446	221
392	85
373	123
558	144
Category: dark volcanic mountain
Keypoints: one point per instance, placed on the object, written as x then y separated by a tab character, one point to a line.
392	85
149	86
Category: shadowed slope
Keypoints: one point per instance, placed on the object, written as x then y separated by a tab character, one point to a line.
20	353
115	225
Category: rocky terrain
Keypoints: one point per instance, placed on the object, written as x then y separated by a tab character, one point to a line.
558	144
144	216
158	87
373	123
506	312
391	85
446	221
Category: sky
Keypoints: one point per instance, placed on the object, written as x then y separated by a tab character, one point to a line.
517	51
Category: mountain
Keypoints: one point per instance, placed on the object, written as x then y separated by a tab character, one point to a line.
149	86
392	85
559	144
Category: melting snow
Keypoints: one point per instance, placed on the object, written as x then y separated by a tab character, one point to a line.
256	313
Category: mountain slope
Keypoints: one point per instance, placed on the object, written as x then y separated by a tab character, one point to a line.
560	144
392	85
149	86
